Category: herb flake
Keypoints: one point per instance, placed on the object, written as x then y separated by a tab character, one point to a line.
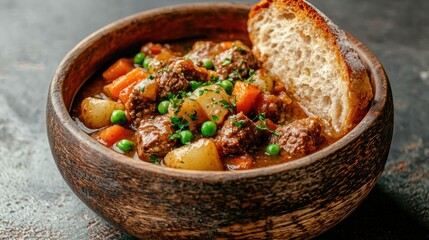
154	160
227	105
226	61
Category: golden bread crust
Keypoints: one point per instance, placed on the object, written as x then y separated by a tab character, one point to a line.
355	74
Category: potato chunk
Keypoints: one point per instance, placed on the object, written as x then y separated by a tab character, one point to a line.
199	155
192	112
212	100
95	112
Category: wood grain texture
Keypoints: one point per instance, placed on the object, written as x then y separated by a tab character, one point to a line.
299	199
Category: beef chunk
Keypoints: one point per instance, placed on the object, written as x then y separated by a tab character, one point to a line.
237	134
141	103
204	50
201	51
270	105
298	138
235	63
176	76
153	137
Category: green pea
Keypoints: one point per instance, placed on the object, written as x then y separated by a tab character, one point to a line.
194	85
208	64
163	106
227	86
125	145
186	136
272	149
118	117
146	63
139	58
208	128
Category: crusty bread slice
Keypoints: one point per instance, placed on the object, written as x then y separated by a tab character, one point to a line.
314	58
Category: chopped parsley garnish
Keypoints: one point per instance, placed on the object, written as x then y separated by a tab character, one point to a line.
184	94
178	99
237	73
227	105
239	123
236	123
201	91
206	84
263	125
250	80
226	61
215	118
154	160
193	116
241	50
164	70
175	100
234	102
174	135
214	78
251	71
179	123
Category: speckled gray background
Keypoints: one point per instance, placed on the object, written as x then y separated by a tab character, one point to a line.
35	202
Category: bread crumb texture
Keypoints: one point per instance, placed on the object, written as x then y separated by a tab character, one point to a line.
313	57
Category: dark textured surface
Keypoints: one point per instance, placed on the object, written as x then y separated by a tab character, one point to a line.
35	202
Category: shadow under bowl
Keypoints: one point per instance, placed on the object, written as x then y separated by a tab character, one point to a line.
298	199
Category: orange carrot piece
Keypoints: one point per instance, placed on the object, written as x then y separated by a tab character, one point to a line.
121	67
112	134
241	162
124	81
156	49
245	96
124	94
226	44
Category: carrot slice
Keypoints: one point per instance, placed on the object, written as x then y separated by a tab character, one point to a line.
121	67
226	44
124	94
245	96
156	49
112	134
124	81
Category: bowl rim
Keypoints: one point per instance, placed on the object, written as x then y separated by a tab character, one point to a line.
380	85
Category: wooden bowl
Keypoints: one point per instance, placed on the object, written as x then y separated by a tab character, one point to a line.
298	199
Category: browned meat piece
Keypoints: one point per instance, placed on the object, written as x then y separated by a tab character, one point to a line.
237	134
298	138
176	76
203	50
152	137
141	104
235	63
269	105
